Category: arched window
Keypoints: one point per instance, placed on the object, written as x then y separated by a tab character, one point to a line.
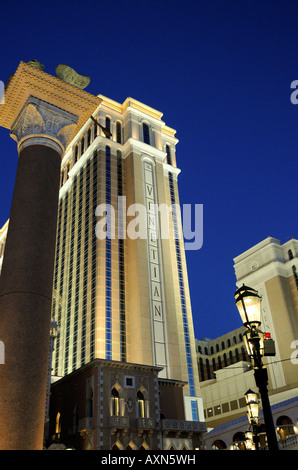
141	404
229	343
131	446
231	357
239	440
237	354
290	254
225	360
82	144
202	373
117	446
118	132
58	425
235	339
243	353
218	444
115	402
285	427
95	131
208	369
222	345
146	134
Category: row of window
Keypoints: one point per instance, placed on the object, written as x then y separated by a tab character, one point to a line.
142	403
182	297
225	407
92	133
77	284
224	345
207	370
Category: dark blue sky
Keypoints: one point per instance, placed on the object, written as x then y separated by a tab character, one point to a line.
220	71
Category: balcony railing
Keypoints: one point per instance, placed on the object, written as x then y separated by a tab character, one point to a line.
146	423
119	422
179	425
287	442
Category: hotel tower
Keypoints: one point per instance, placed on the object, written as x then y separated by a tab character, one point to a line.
120	285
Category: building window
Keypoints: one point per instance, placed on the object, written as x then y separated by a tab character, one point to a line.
201	369
243	353
58	426
121	260
182	290
237	355
95	131
76	153
231	357
118	132
208	369
290	253
295	275
168	151
89	137
146	134
82	144
115	402
108	266
194	410
108	125
141	404
129	382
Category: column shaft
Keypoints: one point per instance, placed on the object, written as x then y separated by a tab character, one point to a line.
25	298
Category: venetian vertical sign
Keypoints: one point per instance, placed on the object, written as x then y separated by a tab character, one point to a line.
155	271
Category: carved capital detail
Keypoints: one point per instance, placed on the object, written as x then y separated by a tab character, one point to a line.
44	124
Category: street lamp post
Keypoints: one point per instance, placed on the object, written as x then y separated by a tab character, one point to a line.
248	303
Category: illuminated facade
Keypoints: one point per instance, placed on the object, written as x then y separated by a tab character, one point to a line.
271	269
123	296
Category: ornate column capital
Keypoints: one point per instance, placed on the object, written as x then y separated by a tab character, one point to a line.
41	123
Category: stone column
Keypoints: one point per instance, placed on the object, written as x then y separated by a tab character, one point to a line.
42	131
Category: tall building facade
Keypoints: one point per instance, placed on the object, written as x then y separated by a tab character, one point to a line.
120	285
